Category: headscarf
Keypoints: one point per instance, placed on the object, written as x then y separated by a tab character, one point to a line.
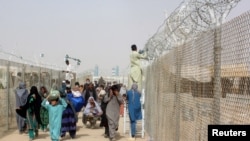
44	93
134	87
87	109
54	95
33	90
36	104
22	94
63	89
22	85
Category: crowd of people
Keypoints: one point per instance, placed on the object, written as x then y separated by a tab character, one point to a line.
57	110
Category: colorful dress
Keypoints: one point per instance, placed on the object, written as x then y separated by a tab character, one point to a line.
69	119
44	115
32	116
55	118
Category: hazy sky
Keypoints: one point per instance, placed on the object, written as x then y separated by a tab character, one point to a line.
98	32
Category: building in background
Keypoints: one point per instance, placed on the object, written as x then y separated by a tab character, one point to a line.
96	70
115	71
113	78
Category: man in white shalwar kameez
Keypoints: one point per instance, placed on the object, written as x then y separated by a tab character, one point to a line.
69	72
135	67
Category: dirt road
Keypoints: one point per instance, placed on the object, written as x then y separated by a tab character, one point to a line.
83	134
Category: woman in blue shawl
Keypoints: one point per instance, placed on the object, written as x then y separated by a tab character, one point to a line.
21	98
134	107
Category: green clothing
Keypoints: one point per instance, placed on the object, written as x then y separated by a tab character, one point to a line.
44	114
31	118
135	68
55	117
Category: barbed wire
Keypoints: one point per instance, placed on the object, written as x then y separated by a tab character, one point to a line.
189	19
20	59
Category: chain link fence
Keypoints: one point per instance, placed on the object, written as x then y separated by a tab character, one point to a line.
11	73
198	84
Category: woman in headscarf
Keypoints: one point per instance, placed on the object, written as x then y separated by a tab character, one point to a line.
21	98
91	112
44	115
69	117
113	110
33	112
134	108
62	89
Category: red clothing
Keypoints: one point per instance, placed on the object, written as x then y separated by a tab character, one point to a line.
122	110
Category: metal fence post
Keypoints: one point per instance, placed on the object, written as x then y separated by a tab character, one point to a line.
177	96
143	113
8	95
217	73
51	77
39	78
124	118
23	73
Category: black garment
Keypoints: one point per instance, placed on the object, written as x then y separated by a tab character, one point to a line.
96	85
85	86
36	104
87	95
104	120
106	132
62	90
21	112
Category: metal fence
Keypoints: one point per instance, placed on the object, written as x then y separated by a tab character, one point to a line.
197	84
11	73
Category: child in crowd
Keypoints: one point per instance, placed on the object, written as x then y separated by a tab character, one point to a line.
101	96
44	114
55	106
124	97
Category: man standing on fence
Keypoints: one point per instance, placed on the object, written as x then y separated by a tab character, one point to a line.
135	67
134	108
68	72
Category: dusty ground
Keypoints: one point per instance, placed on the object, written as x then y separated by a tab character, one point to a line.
83	133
